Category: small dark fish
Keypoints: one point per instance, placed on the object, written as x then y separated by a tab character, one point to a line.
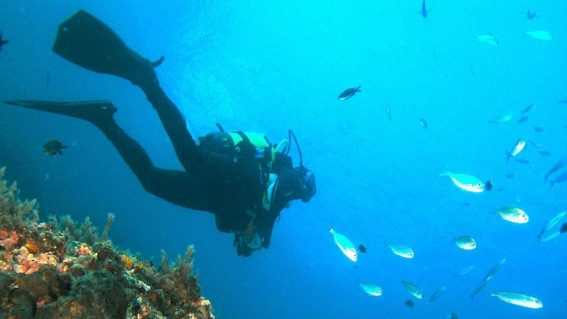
509	175
488	185
559	179
423	9
563	228
2	41
348	93
563	101
362	248
531	15
454	315
559	165
538	129
522	161
528	108
409	303
53	147
522	119
423	123
389	111
544	153
467	204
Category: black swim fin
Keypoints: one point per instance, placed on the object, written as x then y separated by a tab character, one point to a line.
86	41
96	112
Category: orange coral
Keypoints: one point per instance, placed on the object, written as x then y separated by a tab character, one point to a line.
84	249
128	261
9	240
31	246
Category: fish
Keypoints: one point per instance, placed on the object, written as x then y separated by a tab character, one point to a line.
538	129
372	289
544	153
402	251
518	299
53	147
389	112
559	179
437	294
563	228
530	15
556	167
479	288
502	119
409	303
540	35
468	183
453	315
465	271
496	268
487	38
465	242
513	215
2	41
517	149
348	93
412	289
423	123
550	224
528	108
423	9
547	237
522	161
362	248
345	245
523	119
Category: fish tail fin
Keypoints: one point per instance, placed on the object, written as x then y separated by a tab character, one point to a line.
358	88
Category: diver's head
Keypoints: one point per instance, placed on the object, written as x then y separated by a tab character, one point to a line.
308	187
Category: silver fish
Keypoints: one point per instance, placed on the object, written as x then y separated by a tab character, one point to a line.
465	242
517	299
518	147
464	271
559	165
554	221
437	294
496	268
412	289
479	289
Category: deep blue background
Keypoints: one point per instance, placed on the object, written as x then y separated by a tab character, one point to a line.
272	65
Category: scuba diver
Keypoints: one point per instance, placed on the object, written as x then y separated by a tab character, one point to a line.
243	179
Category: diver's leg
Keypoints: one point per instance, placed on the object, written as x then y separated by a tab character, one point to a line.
177	187
173	122
86	41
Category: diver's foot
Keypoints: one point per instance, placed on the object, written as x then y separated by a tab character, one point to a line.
96	112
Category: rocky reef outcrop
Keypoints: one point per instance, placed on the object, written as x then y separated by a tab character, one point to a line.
62	269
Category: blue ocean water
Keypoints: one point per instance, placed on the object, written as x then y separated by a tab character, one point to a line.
273	65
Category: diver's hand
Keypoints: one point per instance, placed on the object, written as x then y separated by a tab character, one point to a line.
246	243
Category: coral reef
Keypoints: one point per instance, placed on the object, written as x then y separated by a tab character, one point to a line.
59	269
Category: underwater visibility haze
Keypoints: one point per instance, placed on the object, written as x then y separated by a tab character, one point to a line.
436	131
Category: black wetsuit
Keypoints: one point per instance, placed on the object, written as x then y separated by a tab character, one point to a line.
212	181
